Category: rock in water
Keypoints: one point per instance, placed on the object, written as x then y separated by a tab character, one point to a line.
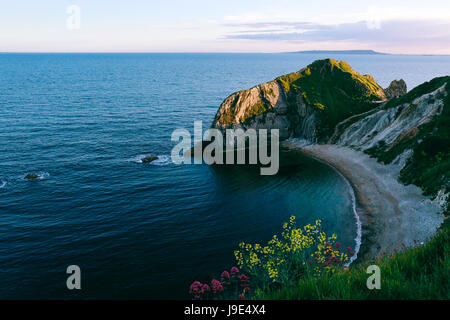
149	159
32	176
396	89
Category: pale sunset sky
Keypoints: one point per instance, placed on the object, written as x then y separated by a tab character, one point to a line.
411	27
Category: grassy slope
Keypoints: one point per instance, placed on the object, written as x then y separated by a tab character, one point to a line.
429	168
422	272
418	273
334	89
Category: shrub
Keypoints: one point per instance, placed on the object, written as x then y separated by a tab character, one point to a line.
296	253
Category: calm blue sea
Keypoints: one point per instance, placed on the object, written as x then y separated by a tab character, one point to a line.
137	230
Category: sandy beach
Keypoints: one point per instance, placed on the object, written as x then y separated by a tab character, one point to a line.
393	216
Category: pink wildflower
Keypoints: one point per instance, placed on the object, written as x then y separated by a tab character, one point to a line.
216	286
196	289
225	275
243	278
206	288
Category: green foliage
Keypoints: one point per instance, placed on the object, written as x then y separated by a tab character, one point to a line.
294	254
288	79
334	89
377	151
429	167
255	110
330	87
416	273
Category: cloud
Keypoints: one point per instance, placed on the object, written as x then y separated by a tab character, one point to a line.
406	32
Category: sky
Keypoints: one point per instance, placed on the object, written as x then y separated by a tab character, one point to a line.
408	27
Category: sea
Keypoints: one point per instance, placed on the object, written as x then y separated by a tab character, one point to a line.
82	122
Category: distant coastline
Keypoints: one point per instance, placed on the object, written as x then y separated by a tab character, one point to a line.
370	52
323	52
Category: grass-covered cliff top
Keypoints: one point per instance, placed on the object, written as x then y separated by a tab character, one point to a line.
334	89
324	75
416	273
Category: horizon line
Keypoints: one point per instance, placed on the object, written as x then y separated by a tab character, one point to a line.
224	52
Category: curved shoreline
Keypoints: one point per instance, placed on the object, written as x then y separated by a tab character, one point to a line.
392	215
358	238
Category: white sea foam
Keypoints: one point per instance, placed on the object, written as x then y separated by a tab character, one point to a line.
162	160
297	143
2	184
402	214
358	220
43	175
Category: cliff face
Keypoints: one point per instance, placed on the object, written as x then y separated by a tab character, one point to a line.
412	131
328	102
391	126
308	103
261	107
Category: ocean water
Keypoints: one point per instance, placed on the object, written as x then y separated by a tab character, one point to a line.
82	121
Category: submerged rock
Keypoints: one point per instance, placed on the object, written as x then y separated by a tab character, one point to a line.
32	176
149	159
396	89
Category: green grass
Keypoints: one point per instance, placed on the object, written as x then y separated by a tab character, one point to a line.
334	89
255	110
422	272
429	167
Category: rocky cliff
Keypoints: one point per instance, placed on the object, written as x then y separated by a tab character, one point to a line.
308	103
393	124
329	102
396	89
412	131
